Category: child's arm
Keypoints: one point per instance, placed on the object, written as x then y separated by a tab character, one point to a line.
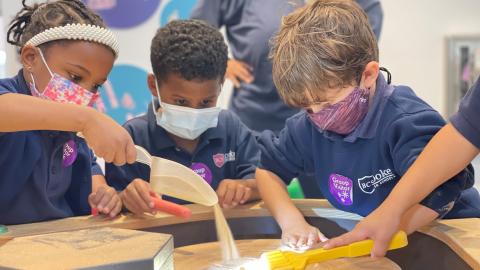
107	139
233	192
444	156
296	232
284	157
416	217
104	197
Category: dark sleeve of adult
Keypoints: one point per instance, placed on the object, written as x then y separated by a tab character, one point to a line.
374	10
218	12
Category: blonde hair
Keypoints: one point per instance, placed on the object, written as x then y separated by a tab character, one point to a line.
325	44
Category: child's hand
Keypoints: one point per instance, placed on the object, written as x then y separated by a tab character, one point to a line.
380	226
137	197
233	192
108	139
301	235
106	200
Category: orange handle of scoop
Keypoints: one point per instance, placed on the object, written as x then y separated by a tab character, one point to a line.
171	208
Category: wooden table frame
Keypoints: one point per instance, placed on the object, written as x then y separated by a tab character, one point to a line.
460	235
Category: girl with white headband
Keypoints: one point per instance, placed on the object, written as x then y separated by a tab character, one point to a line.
45	170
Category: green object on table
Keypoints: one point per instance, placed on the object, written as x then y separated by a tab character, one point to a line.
295	189
3	229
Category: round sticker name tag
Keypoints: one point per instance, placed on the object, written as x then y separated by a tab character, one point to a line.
202	170
341	188
70	153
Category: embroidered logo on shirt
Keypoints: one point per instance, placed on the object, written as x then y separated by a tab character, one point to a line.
369	183
221	159
341	188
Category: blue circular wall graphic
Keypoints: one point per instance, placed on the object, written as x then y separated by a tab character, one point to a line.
124	13
176	10
125	94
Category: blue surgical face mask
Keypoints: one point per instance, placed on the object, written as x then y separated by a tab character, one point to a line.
185	122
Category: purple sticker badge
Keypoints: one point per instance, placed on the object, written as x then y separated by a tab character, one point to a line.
202	170
69	153
341	188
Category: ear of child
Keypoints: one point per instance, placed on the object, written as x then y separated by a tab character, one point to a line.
370	75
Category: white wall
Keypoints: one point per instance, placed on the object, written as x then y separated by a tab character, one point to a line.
9	9
412	44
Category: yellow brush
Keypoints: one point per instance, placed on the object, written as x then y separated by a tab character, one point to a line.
287	260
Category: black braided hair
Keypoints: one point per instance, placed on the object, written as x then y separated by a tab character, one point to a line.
31	20
190	48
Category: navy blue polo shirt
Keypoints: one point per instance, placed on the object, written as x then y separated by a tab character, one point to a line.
250	25
467	119
228	151
356	172
34	184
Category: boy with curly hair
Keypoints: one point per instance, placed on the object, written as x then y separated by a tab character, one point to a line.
184	124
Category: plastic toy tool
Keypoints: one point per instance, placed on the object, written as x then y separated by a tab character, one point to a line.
175	180
288	260
171	208
163	206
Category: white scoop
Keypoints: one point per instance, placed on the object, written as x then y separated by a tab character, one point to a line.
175	180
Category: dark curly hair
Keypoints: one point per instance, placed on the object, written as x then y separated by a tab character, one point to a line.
190	48
31	20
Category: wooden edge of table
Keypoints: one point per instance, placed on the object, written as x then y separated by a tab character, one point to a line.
460	234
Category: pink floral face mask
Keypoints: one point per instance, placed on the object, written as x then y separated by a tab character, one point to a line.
62	90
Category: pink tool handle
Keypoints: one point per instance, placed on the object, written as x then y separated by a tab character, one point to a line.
171	208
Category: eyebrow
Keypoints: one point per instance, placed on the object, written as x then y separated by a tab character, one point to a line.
80	67
209	97
178	96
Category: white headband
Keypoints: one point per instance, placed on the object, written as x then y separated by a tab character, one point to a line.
77	32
